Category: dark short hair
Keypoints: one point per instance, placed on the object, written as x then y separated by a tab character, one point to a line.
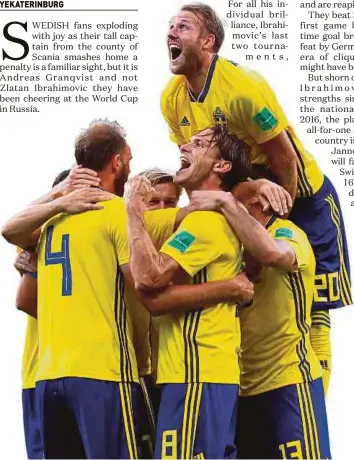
96	145
210	20
232	149
159	176
60	177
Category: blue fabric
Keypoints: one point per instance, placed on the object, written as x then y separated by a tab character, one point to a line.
84	418
197	420
282	423
31	426
320	217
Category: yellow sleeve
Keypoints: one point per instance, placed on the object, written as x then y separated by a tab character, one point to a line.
259	112
298	241
118	227
160	224
197	242
170	115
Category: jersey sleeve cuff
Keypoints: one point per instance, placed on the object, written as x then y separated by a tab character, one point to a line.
180	260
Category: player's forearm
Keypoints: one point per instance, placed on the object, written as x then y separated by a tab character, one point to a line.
19	230
176	299
146	263
26	298
48	197
251	233
282	160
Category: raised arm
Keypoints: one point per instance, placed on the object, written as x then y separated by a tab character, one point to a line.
281	158
23	229
150	269
252	234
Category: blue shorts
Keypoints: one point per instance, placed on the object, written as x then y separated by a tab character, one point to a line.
197	420
31	424
88	418
289	422
321	219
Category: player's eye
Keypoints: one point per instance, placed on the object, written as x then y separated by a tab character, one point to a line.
183	27
170	204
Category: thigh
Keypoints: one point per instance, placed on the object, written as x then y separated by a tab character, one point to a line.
177	420
296	416
197	421
104	415
31	425
59	431
216	425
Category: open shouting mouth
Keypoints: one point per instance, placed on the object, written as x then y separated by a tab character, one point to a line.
175	51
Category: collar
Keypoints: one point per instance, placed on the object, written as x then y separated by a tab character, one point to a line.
203	94
271	222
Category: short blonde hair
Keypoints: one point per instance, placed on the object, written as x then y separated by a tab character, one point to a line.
159	176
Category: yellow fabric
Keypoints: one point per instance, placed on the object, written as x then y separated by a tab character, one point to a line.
320	336
202	345
86	333
160	225
30	355
275	347
237	97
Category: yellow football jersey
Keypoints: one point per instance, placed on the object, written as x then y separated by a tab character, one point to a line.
243	100
201	345
84	327
275	346
160	225
30	355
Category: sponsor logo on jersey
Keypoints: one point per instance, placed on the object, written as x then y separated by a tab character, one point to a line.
219	116
185	121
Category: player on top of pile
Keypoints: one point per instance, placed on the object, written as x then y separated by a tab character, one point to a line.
208	89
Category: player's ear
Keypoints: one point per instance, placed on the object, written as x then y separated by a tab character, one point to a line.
209	42
222	166
116	161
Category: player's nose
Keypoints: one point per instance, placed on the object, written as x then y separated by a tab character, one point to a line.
172	33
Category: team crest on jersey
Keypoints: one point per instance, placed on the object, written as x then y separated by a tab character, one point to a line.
219	116
182	241
185	121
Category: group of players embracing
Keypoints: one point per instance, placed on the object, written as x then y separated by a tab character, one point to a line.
184	332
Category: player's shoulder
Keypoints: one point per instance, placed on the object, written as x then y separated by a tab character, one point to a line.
247	82
172	89
116	202
207	221
287	230
237	69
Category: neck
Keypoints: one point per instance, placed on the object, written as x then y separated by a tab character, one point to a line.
256	211
107	182
196	79
209	185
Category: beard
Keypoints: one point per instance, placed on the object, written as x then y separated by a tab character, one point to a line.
119	183
192	63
